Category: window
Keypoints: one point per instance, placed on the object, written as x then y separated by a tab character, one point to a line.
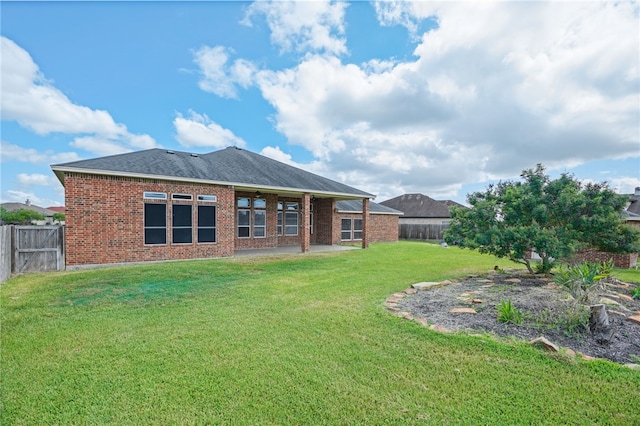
244	217
209	198
259	218
155	223
291	219
244	223
351	229
345	233
182	224
206	224
187	197
357	229
155	195
280	207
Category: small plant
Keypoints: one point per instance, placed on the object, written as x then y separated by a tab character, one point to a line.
508	313
636	293
581	278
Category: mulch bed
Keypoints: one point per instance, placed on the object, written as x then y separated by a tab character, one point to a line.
546	307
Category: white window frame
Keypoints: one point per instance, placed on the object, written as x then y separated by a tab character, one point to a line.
181	197
150	195
259	209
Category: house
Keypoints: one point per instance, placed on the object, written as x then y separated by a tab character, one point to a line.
423	217
159	204
421	210
48	214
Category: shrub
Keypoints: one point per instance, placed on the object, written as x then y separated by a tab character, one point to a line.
508	313
636	293
581	278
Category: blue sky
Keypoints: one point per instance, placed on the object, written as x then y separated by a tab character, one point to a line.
392	97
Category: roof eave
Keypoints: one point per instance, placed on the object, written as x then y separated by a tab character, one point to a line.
61	170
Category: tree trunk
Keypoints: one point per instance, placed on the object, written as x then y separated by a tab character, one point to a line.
599	319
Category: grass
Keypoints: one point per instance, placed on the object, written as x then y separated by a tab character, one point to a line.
301	339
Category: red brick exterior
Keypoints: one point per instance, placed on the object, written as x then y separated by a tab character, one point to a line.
105	221
620	260
382	228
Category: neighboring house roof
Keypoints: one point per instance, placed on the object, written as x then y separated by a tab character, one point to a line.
230	166
11	207
418	206
57	209
355	206
452	203
634	202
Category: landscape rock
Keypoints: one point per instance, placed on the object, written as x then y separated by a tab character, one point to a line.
426	285
513	280
410	290
607	301
436	327
422	321
625	297
545	344
633	366
634	318
462	311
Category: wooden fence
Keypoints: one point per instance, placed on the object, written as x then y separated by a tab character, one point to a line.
5	252
32	249
414	231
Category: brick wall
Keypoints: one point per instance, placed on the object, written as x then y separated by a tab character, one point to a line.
382	227
105	220
620	260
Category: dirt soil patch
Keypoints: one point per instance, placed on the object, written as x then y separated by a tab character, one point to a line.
548	310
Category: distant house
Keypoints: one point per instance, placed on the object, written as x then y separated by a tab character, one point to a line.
423	217
163	205
421	209
632	212
48	214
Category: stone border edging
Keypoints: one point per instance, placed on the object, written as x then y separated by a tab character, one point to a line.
392	304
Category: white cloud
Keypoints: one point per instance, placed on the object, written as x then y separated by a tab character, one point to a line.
495	89
35	179
200	131
17	196
625	185
32	101
11	152
275	153
303	26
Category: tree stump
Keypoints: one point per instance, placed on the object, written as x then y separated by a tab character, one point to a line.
599	323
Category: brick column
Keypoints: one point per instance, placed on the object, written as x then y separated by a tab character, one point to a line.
305	235
365	223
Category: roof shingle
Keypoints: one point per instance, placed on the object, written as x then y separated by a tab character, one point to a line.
233	166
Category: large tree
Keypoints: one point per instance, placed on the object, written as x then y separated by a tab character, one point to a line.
554	218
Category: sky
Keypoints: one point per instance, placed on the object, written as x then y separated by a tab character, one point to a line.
389	97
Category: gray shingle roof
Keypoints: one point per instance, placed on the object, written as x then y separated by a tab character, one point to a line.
355	206
233	166
418	206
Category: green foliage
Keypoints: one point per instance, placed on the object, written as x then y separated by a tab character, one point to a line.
579	279
636	293
554	218
19	217
508	313
58	217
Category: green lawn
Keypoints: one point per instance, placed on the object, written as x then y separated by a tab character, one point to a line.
301	339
